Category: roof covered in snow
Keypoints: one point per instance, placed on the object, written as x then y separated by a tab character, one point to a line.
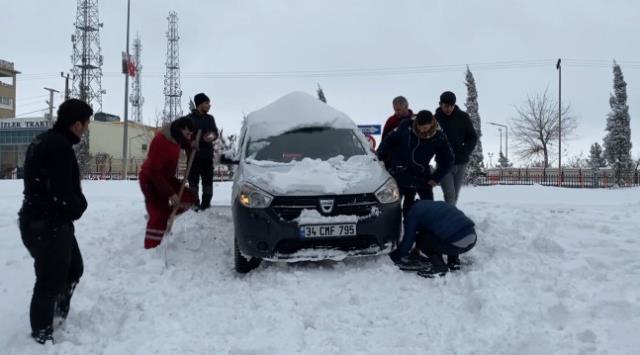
293	111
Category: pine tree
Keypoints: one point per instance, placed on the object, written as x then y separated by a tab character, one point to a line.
617	142
476	165
321	96
503	162
596	160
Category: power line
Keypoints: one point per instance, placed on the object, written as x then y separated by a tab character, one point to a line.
28	113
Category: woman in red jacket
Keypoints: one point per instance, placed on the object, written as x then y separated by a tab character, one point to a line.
158	178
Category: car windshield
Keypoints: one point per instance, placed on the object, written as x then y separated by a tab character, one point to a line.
314	143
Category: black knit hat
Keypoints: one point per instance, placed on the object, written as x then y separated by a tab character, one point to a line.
448	98
424	117
200	98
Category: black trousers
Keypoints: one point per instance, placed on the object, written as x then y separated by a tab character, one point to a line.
409	197
57	263
202	169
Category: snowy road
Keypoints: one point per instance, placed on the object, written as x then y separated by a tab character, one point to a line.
554	271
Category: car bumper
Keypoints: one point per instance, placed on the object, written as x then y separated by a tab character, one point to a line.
263	234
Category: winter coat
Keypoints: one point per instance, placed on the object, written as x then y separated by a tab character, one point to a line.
52	178
408	156
440	219
460	133
158	171
393	122
206	124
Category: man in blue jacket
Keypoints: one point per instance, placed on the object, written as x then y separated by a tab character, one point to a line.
438	228
408	149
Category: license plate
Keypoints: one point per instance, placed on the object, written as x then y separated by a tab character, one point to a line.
328	230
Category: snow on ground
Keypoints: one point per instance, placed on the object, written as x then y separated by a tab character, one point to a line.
554	271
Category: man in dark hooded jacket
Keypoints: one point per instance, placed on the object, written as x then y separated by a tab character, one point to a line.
53	199
462	137
203	163
413	144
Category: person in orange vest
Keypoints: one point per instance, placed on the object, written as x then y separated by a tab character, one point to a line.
158	181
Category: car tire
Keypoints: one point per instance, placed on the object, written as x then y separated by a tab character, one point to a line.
242	264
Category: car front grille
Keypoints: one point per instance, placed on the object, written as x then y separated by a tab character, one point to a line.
289	207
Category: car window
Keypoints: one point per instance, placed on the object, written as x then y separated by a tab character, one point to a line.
314	143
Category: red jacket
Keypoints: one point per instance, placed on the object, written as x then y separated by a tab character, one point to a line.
392	123
159	169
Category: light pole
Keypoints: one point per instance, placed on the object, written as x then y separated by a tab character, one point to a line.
559	67
126	102
506	138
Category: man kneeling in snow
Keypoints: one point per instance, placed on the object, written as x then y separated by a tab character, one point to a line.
440	228
157	178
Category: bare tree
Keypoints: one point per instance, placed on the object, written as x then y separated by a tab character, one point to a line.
536	127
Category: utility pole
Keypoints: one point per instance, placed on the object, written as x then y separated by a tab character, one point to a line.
66	85
50	102
559	68
500	130
126	102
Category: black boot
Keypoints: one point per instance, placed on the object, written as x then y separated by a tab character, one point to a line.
437	267
41	336
206	201
453	262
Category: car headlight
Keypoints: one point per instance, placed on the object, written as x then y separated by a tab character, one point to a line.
389	192
252	197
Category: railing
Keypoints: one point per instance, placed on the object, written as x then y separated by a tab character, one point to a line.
576	178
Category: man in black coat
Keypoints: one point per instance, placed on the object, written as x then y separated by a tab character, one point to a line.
409	149
53	199
458	127
202	167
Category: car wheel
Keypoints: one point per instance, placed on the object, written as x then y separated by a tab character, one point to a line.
244	265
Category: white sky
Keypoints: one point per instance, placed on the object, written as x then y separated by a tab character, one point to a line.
327	36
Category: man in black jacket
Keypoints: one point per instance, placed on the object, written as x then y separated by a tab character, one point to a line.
458	127
413	144
203	162
53	199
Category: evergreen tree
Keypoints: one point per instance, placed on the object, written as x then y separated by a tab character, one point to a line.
617	142
596	160
476	165
503	162
321	96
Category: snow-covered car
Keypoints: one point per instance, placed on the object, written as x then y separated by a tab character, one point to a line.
308	187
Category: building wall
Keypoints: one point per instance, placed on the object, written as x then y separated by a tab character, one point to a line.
7	89
106	138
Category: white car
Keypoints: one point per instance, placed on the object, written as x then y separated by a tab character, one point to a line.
308	187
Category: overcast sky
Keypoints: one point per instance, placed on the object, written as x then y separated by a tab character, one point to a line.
328	37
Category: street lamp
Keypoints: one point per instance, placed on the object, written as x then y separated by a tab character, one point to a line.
506	138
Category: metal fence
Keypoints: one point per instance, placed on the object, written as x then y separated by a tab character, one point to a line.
111	169
576	178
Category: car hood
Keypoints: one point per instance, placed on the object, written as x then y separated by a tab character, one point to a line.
356	175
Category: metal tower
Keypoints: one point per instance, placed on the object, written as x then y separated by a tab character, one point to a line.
136	98
87	55
172	91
